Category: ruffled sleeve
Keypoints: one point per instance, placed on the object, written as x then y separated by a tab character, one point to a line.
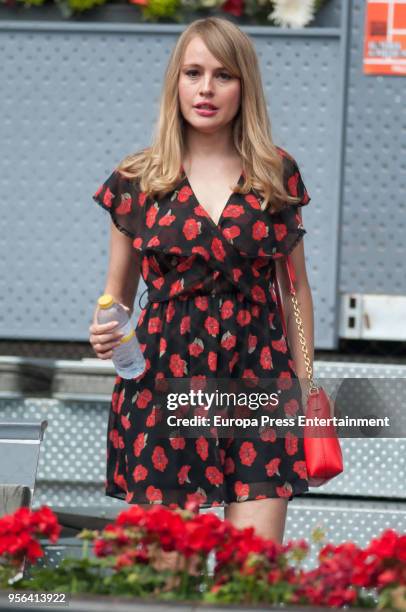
122	198
287	225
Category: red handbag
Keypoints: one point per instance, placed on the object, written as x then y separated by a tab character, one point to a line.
322	448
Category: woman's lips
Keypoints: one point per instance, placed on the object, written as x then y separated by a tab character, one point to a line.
205	112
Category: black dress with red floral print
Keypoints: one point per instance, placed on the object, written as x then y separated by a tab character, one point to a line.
211	313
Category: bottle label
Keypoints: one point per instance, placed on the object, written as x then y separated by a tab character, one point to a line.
128	332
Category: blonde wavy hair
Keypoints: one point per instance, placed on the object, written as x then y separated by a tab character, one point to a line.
158	167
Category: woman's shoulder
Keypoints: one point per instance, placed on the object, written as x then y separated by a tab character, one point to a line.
288	160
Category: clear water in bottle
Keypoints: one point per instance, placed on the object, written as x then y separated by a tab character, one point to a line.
127	358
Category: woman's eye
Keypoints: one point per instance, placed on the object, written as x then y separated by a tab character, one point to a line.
222	75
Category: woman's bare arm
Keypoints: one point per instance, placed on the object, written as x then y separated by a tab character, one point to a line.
305	300
124	269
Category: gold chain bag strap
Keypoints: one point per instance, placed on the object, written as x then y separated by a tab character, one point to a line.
322	448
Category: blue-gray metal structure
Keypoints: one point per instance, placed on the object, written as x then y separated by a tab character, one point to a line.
83	95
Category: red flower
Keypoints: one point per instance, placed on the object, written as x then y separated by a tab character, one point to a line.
218	249
259	230
124	208
247	453
213	475
234	7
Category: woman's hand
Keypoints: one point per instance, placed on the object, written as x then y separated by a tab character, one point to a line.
103	337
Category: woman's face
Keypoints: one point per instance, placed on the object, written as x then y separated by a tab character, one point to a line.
203	79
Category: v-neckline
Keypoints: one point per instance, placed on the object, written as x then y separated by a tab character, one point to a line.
209	217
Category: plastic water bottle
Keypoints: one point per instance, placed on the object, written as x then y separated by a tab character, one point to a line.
127	358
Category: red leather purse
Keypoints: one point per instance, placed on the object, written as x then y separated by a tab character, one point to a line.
322	448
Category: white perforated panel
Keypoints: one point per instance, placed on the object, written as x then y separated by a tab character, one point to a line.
80	98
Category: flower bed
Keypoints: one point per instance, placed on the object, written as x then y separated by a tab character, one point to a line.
285	13
130	560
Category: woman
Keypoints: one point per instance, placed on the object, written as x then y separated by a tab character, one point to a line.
207	213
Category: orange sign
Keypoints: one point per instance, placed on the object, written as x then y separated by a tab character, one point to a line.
385	37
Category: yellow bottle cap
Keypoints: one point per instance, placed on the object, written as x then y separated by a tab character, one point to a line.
105	301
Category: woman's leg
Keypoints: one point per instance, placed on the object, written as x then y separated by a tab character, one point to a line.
267	516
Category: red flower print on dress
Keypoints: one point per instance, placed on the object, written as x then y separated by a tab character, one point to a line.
280	231
167	220
154	325
184	194
177	365
140	473
212	361
258	294
158	282
300	468
252	201
233	361
268	434
231	232
154	242
137	243
170	312
236	273
218	249
151	216
228	341
177	443
242	490
291	407
211	325
284	381
201	251
247	453
116	439
259	230
213	475
285	491
159	459
107	198
154	417
191	229
233	211
153	494
183	474
280	345
227	309
291	443
202	448
124	208
139	444
125	422
119	479
196	347
117	401
198	498
272	467
265	358
229	466
184	325
162	346
243	318
176	287
143	398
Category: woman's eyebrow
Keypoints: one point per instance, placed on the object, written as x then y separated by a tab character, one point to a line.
199	66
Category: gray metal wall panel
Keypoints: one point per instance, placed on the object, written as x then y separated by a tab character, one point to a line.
374	206
74	447
81	97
